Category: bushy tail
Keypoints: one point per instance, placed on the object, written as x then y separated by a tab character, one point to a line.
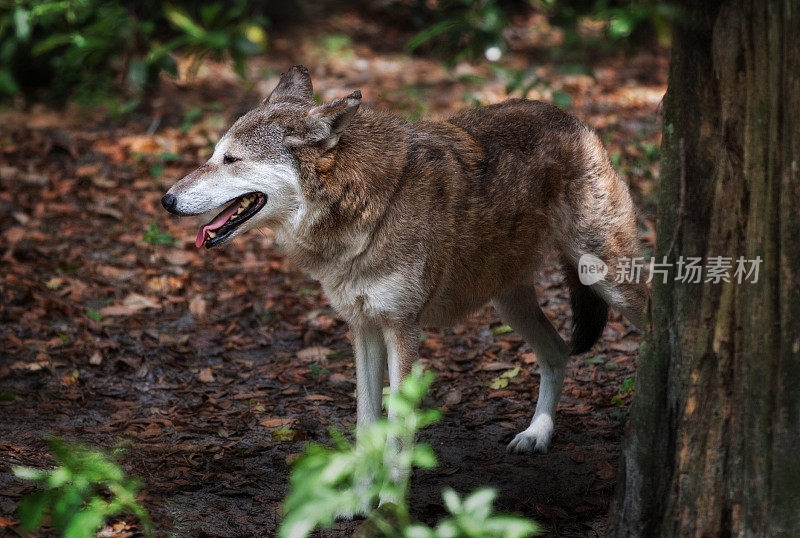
589	312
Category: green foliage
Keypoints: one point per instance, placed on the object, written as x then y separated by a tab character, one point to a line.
525	81
217	31
473	518
84	490
335	45
465	29
156	237
349	477
85	48
628	385
622	18
501	329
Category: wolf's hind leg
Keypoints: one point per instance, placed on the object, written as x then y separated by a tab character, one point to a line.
519	307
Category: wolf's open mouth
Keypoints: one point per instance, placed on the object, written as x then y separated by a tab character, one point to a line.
236	214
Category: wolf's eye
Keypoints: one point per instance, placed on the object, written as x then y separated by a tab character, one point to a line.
227	159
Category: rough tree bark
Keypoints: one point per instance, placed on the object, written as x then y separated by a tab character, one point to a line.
713	447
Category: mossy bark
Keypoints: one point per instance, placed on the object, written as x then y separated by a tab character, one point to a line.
713	447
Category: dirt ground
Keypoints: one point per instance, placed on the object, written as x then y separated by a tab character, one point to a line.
215	367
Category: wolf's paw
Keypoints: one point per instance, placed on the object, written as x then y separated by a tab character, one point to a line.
535	439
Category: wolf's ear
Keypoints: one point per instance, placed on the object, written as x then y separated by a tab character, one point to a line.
327	122
295	85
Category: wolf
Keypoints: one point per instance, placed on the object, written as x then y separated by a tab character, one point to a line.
408	224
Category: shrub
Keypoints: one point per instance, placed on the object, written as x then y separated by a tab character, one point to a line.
351	477
84	490
59	49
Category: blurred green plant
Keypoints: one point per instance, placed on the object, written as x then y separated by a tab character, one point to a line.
219	30
622	20
524	81
156	237
85	489
464	29
350	477
59	49
472	30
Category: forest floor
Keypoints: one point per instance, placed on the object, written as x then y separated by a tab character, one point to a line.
216	367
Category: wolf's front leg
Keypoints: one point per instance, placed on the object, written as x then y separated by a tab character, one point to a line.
402	343
370	350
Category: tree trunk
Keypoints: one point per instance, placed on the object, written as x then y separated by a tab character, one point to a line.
713	447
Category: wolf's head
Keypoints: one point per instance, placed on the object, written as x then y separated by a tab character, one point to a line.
254	170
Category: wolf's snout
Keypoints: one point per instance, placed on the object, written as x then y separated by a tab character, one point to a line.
169	202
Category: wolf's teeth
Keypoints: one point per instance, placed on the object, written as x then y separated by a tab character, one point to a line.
212	235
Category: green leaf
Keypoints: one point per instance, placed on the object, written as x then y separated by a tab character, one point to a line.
22	23
155	237
451	501
509	374
424	457
31	509
182	21
502	329
8	84
94	315
429	33
562	99
480	502
283	434
52	42
86	522
628	385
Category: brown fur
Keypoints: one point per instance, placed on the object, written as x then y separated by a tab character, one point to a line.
482	197
412	223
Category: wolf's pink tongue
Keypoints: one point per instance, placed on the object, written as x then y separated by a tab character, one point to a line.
218	221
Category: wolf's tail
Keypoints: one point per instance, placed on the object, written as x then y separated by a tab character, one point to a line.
589	312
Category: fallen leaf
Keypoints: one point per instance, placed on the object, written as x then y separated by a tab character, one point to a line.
96	358
14	234
498	383
176	257
605	471
319	398
54	283
131	304
30	366
205	376
453	397
500	394
140	302
167	339
314	353
578	456
274	422
87	170
198	306
283	434
494	366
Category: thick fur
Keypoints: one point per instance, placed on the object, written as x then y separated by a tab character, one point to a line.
416	223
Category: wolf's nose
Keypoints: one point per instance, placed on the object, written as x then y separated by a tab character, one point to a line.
169	202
